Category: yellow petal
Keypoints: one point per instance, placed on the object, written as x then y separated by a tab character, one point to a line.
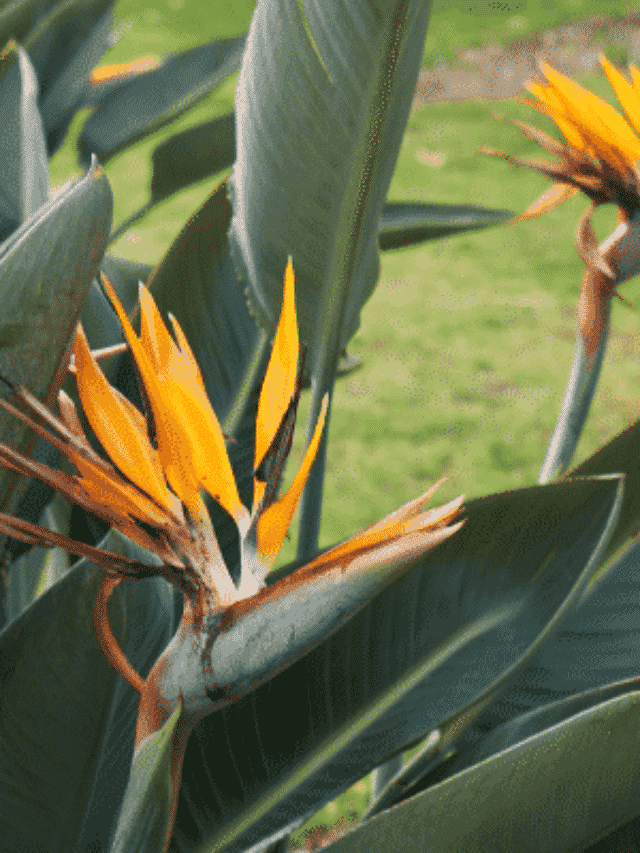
280	379
120	428
190	442
611	134
552	106
275	520
627	94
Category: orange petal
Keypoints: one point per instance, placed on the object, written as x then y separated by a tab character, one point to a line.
280	379
611	135
275	520
375	535
190	442
120	428
627	94
550	198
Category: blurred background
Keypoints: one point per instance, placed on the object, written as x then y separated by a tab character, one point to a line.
467	342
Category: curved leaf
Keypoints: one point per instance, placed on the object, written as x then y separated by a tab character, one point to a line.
25	168
65	93
144	818
253	769
619	454
599	644
64	46
35	572
405	223
157	97
46	267
192	155
59	694
557	791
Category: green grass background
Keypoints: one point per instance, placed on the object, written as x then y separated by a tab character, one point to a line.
467	342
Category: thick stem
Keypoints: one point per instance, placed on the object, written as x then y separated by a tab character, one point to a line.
575	407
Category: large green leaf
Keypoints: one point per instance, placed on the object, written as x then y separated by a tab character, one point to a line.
157	97
556	792
46	267
469	613
260	764
64	46
59	696
597	648
323	98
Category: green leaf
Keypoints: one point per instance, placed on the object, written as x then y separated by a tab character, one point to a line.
558	791
319	124
144	818
59	695
598	644
64	46
16	19
46	268
619	454
39	569
192	155
157	97
65	93
470	613
25	169
408	223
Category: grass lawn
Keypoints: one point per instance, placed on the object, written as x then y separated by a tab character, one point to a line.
467	343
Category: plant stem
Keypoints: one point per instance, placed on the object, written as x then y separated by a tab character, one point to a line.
575	405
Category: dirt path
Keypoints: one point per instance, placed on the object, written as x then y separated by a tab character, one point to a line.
498	71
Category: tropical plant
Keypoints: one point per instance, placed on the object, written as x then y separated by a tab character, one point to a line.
167	691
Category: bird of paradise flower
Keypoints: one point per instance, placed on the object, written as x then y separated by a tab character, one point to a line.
159	460
599	158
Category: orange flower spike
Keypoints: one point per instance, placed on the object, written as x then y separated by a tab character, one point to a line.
598	118
274	522
190	442
188	406
120	428
280	379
